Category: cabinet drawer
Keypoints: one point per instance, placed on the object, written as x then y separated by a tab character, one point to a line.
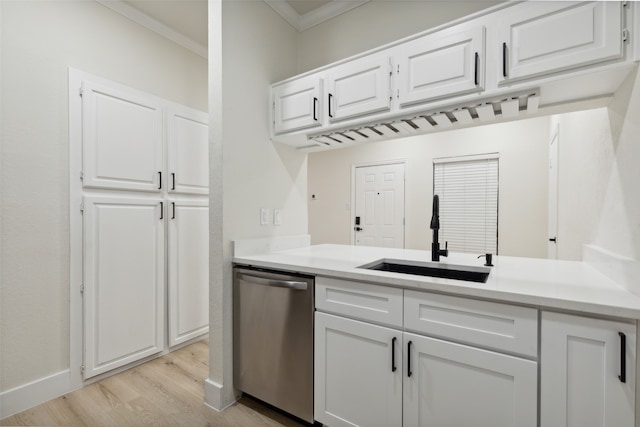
491	325
378	304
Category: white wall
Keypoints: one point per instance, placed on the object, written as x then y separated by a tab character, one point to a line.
523	183
254	49
599	177
376	23
40	40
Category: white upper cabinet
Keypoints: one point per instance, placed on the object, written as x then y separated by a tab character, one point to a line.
122	139
359	87
545	37
188	146
587	373
296	105
445	63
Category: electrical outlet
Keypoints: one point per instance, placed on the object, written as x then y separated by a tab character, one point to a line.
264	216
277	217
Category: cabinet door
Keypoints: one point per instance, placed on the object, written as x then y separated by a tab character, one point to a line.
446	63
188	269
121	139
448	384
544	37
296	105
359	87
355	381
123	281
188	147
581	361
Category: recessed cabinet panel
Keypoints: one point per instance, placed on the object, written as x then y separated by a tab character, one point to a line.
446	63
122	139
359	87
297	104
188	146
448	384
123	281
358	373
188	269
582	361
544	37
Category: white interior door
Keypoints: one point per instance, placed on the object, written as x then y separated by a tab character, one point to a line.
552	245
188	269
122	139
188	145
123	281
379	205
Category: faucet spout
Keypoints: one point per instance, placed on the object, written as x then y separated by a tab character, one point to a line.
436	252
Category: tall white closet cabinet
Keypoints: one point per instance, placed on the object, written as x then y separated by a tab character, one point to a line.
145	245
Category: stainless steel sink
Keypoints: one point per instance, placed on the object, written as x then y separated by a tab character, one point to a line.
431	269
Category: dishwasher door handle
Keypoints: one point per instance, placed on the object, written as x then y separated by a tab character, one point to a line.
289	284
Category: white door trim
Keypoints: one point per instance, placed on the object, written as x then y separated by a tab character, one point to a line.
352	208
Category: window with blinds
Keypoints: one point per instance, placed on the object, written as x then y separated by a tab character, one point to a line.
468	191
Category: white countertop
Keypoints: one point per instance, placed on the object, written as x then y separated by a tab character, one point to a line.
565	285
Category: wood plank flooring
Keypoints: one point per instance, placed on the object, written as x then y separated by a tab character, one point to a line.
168	391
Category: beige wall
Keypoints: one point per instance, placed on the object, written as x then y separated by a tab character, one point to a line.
254	49
523	171
374	24
40	40
599	176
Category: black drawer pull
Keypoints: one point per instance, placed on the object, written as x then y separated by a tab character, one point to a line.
393	354
623	360
160	180
409	359
475	78
504	60
315	109
330	102
161	210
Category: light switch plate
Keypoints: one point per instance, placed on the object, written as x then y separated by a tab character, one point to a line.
264	216
277	217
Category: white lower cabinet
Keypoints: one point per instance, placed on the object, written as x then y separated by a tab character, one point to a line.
448	384
370	375
358	373
587	375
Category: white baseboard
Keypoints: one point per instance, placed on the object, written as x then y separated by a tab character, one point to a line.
622	270
216	396
34	393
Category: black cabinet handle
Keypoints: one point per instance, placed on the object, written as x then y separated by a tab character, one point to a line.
504	60
173	181
330	102
160	180
393	354
409	359
315	109
475	78
623	360
173	210
553	239
161	210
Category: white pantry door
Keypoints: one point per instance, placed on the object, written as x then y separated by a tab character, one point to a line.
121	138
379	205
188	146
188	269
123	281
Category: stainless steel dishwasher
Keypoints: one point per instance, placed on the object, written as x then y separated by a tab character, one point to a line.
273	338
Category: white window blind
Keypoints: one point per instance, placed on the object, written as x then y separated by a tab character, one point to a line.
468	191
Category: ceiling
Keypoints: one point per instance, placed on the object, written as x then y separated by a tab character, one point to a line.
186	21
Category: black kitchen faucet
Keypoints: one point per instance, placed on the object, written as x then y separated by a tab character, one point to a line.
436	252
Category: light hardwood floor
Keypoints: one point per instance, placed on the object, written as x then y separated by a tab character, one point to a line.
168	391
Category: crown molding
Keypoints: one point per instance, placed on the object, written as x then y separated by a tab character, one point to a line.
154	25
314	17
